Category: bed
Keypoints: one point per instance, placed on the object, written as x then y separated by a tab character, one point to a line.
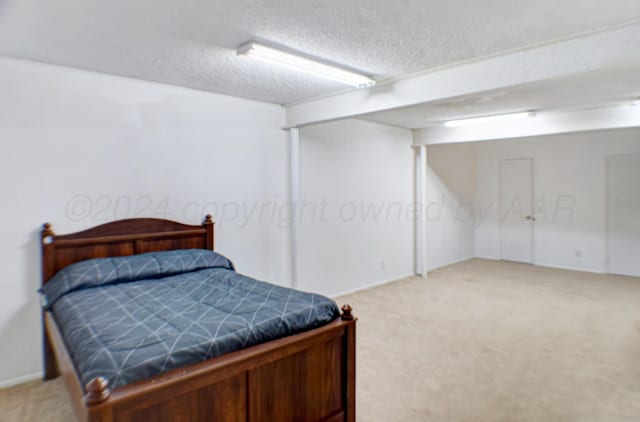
299	366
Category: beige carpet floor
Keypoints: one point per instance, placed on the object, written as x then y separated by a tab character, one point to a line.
476	341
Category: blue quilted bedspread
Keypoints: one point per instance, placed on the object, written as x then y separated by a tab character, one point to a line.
131	318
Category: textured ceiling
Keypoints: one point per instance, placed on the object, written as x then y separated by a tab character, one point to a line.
191	42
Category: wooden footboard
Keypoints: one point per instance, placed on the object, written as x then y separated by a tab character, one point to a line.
304	377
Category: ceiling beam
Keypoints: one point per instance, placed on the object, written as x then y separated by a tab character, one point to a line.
544	123
598	51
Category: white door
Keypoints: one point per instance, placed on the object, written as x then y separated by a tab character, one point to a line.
516	203
623	225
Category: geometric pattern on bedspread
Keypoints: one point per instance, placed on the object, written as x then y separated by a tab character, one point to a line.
102	271
132	331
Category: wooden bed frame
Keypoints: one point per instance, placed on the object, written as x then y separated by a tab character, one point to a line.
303	377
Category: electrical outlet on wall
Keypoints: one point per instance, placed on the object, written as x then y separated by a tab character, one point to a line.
382	265
578	254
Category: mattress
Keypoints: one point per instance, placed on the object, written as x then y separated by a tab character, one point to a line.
128	319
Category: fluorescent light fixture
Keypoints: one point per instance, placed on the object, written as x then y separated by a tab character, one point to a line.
489	119
302	64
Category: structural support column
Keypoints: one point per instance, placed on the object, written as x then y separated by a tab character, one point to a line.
421	207
294	193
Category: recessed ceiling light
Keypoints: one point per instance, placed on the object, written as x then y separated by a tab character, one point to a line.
488	119
303	64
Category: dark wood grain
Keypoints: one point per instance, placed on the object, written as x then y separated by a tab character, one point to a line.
63	361
304	377
349	374
312	377
223	401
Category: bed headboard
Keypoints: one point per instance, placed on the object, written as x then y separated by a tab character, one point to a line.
120	238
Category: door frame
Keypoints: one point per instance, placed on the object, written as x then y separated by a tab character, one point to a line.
533	196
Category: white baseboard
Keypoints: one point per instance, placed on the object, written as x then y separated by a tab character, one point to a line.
570	268
370	285
559	267
399	277
453	261
19	380
490	258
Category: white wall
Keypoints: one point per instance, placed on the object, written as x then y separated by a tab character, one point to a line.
451	185
76	147
361	174
569	191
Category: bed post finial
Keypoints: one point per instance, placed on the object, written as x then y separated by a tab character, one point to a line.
97	391
208	224
47	230
346	313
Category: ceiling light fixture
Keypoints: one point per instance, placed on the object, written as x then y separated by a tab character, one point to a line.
489	119
636	102
302	64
